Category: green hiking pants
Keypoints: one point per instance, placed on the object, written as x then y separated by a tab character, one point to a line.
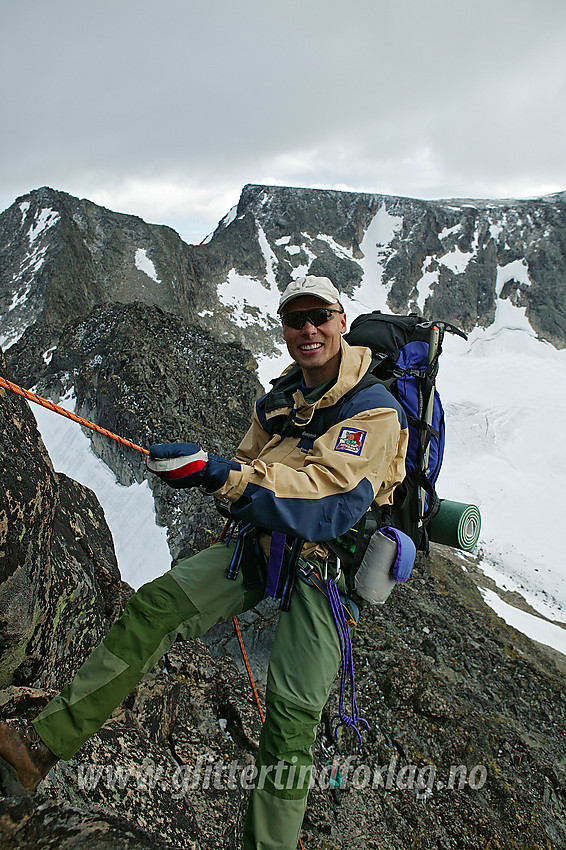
182	604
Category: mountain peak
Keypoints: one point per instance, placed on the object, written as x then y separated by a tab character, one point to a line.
455	259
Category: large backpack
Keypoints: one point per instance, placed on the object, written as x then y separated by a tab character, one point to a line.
405	359
406	350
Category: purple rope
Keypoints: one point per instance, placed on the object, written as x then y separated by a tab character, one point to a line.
347	665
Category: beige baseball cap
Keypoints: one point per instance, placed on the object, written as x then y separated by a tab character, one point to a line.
321	287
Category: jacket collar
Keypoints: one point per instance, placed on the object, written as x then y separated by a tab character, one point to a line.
355	360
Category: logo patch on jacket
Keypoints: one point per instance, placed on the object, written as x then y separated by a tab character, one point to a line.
351	441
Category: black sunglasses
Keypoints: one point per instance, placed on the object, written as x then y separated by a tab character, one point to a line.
317	316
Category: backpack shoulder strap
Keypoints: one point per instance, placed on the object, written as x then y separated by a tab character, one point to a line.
323	418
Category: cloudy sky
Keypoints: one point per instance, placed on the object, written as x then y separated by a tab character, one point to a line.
166	108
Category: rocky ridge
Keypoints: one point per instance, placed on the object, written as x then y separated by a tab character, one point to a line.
148	376
59	581
60	256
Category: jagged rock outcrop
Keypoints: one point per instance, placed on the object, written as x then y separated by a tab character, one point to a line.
150	377
59	582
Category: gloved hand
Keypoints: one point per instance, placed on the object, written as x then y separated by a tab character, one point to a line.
187	465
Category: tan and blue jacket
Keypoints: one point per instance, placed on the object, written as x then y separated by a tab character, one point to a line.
318	489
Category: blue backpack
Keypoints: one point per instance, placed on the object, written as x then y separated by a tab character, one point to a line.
405	352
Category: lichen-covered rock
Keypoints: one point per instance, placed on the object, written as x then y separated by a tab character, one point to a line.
28	495
59	581
464	747
27	823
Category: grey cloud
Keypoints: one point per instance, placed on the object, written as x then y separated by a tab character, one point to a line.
416	97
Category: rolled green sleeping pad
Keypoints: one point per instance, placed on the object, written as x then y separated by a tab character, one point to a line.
456	524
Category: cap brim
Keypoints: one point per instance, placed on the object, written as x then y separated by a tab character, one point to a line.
327	300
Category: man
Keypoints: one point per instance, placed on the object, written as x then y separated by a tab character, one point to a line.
282	485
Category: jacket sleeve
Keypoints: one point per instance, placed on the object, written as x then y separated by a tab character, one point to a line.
337	481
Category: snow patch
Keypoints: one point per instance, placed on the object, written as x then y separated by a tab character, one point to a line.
250	300
145	265
424	287
229	217
507	315
24	207
457	261
534	627
269	257
449	231
9	339
517	270
140	545
47	355
375	246
300	271
19	297
339	250
44	220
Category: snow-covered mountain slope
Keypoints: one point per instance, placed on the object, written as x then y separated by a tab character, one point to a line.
506	411
455	259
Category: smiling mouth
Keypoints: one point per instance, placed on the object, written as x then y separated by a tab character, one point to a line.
310	346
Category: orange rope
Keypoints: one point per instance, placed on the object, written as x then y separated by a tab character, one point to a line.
220	537
44	402
27	394
245	657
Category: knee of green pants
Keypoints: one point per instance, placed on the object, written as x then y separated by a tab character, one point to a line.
157	609
284	759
